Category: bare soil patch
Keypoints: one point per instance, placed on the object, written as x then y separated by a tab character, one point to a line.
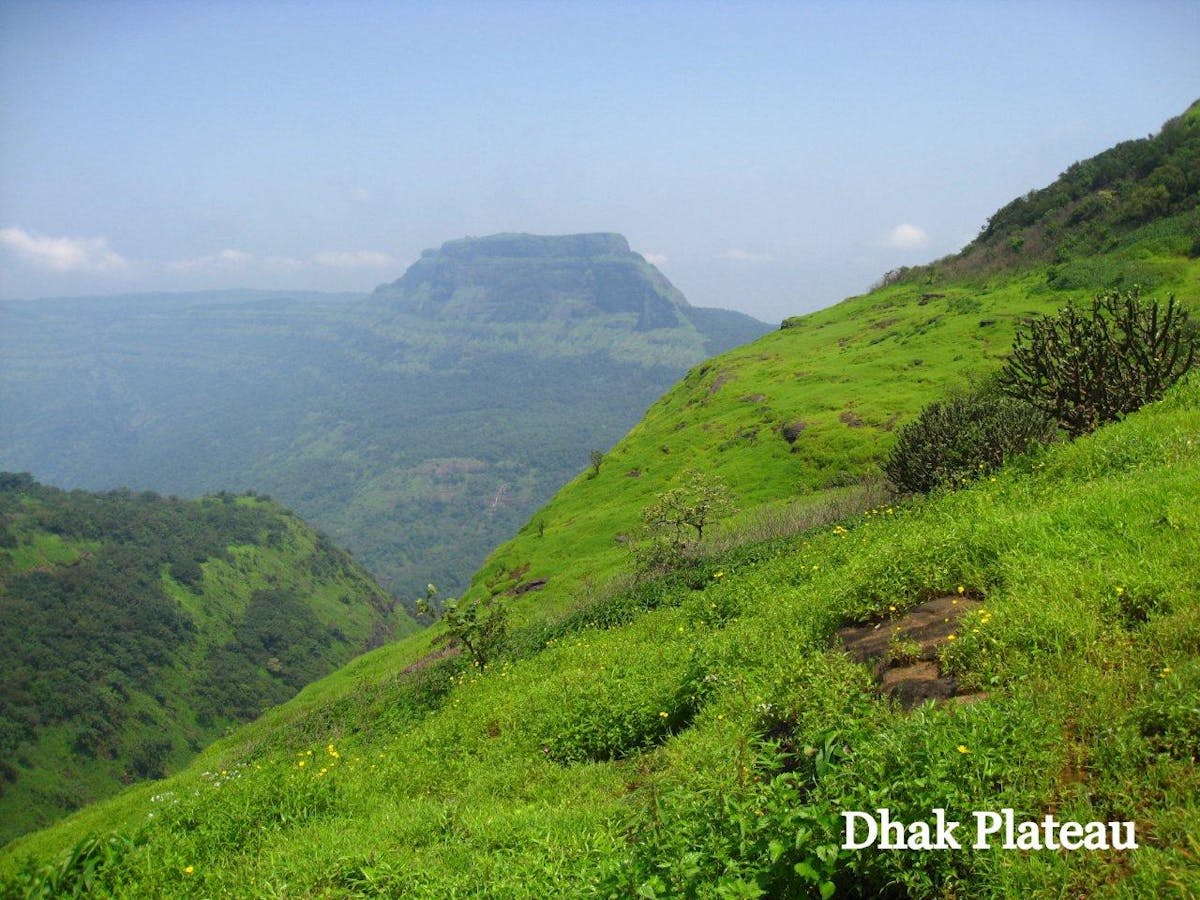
914	680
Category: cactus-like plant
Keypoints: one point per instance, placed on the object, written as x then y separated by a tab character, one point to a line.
1086	367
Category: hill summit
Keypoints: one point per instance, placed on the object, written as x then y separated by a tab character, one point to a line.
514	278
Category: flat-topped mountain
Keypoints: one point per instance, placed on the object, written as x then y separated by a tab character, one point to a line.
535	278
419	426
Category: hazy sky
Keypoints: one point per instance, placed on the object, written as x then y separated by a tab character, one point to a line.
769	157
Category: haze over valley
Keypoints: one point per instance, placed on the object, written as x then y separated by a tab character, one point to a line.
418	426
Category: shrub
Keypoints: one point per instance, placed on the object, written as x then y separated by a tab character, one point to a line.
1169	717
675	521
478	626
91	868
1088	367
957	440
625	710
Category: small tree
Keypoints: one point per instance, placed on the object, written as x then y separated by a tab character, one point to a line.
596	457
1088	367
676	520
478	626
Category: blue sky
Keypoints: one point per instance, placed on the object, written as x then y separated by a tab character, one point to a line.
770	157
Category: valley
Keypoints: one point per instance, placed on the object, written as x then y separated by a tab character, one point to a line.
417	439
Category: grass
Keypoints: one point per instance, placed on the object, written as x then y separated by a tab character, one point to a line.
847	376
715	759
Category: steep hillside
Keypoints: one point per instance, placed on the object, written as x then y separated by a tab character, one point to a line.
797	417
1099	205
702	735
416	438
812	408
134	629
698	734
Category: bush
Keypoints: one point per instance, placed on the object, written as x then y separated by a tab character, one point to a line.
478	626
1088	367
625	710
674	523
1169	717
958	440
91	868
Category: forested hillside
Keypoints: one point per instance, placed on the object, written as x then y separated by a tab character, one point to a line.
136	628
1093	208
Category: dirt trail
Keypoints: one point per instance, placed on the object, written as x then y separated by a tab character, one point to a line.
914	681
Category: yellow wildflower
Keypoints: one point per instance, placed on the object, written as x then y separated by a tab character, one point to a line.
962	748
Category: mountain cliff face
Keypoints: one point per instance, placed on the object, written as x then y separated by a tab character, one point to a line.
419	426
536	278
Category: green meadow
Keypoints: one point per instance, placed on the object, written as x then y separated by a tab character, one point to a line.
701	734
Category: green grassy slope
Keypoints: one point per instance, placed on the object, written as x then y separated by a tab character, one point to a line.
717	755
698	734
799	414
135	629
812	408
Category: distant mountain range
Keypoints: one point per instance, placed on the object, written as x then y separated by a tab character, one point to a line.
419	425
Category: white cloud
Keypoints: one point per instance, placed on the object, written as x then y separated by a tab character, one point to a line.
736	255
287	263
226	259
353	259
234	257
908	237
655	259
63	254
